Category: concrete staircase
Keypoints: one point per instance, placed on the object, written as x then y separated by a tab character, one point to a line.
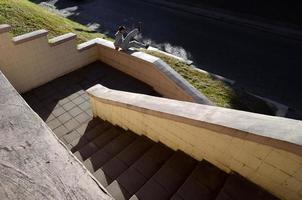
134	167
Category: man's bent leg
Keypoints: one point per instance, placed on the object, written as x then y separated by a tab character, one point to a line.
136	44
130	35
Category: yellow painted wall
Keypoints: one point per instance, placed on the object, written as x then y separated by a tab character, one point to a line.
276	170
33	63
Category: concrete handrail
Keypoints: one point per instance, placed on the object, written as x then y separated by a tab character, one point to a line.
151	70
265	149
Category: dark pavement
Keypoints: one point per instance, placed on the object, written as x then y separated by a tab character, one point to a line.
264	63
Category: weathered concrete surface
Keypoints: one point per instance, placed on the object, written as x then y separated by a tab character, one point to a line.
33	164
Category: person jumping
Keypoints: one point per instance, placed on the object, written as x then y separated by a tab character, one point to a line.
128	42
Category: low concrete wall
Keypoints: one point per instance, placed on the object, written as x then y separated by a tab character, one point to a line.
266	150
30	60
34	165
150	70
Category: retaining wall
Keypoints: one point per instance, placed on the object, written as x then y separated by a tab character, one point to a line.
31	60
266	150
152	71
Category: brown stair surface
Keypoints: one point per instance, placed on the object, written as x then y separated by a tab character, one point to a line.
168	178
138	174
128	165
121	162
236	188
134	167
108	151
100	141
204	183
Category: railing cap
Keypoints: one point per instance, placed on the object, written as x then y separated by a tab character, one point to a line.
4	28
30	36
273	131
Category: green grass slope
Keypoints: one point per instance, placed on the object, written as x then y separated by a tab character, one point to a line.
25	17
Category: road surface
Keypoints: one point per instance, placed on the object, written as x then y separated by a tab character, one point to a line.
264	63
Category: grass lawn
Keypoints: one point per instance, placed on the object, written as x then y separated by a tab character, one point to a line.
25	17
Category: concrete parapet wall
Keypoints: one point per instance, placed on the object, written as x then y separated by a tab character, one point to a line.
31	60
266	150
152	71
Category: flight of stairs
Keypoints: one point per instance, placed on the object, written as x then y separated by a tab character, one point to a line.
133	167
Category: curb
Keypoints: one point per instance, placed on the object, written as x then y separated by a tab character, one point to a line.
221	78
188	62
282	109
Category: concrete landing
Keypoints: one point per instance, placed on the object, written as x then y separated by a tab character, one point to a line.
63	103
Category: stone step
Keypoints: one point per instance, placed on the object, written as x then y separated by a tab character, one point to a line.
237	187
131	180
89	135
136	168
122	161
100	141
168	179
110	150
86	130
204	183
83	134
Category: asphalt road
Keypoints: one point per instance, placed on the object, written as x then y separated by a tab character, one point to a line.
264	63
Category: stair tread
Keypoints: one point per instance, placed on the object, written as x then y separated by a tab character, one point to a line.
152	191
102	175
135	150
204	183
89	132
137	174
117	165
90	135
86	151
104	138
77	144
107	136
85	127
168	178
136	168
150	162
108	151
237	187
